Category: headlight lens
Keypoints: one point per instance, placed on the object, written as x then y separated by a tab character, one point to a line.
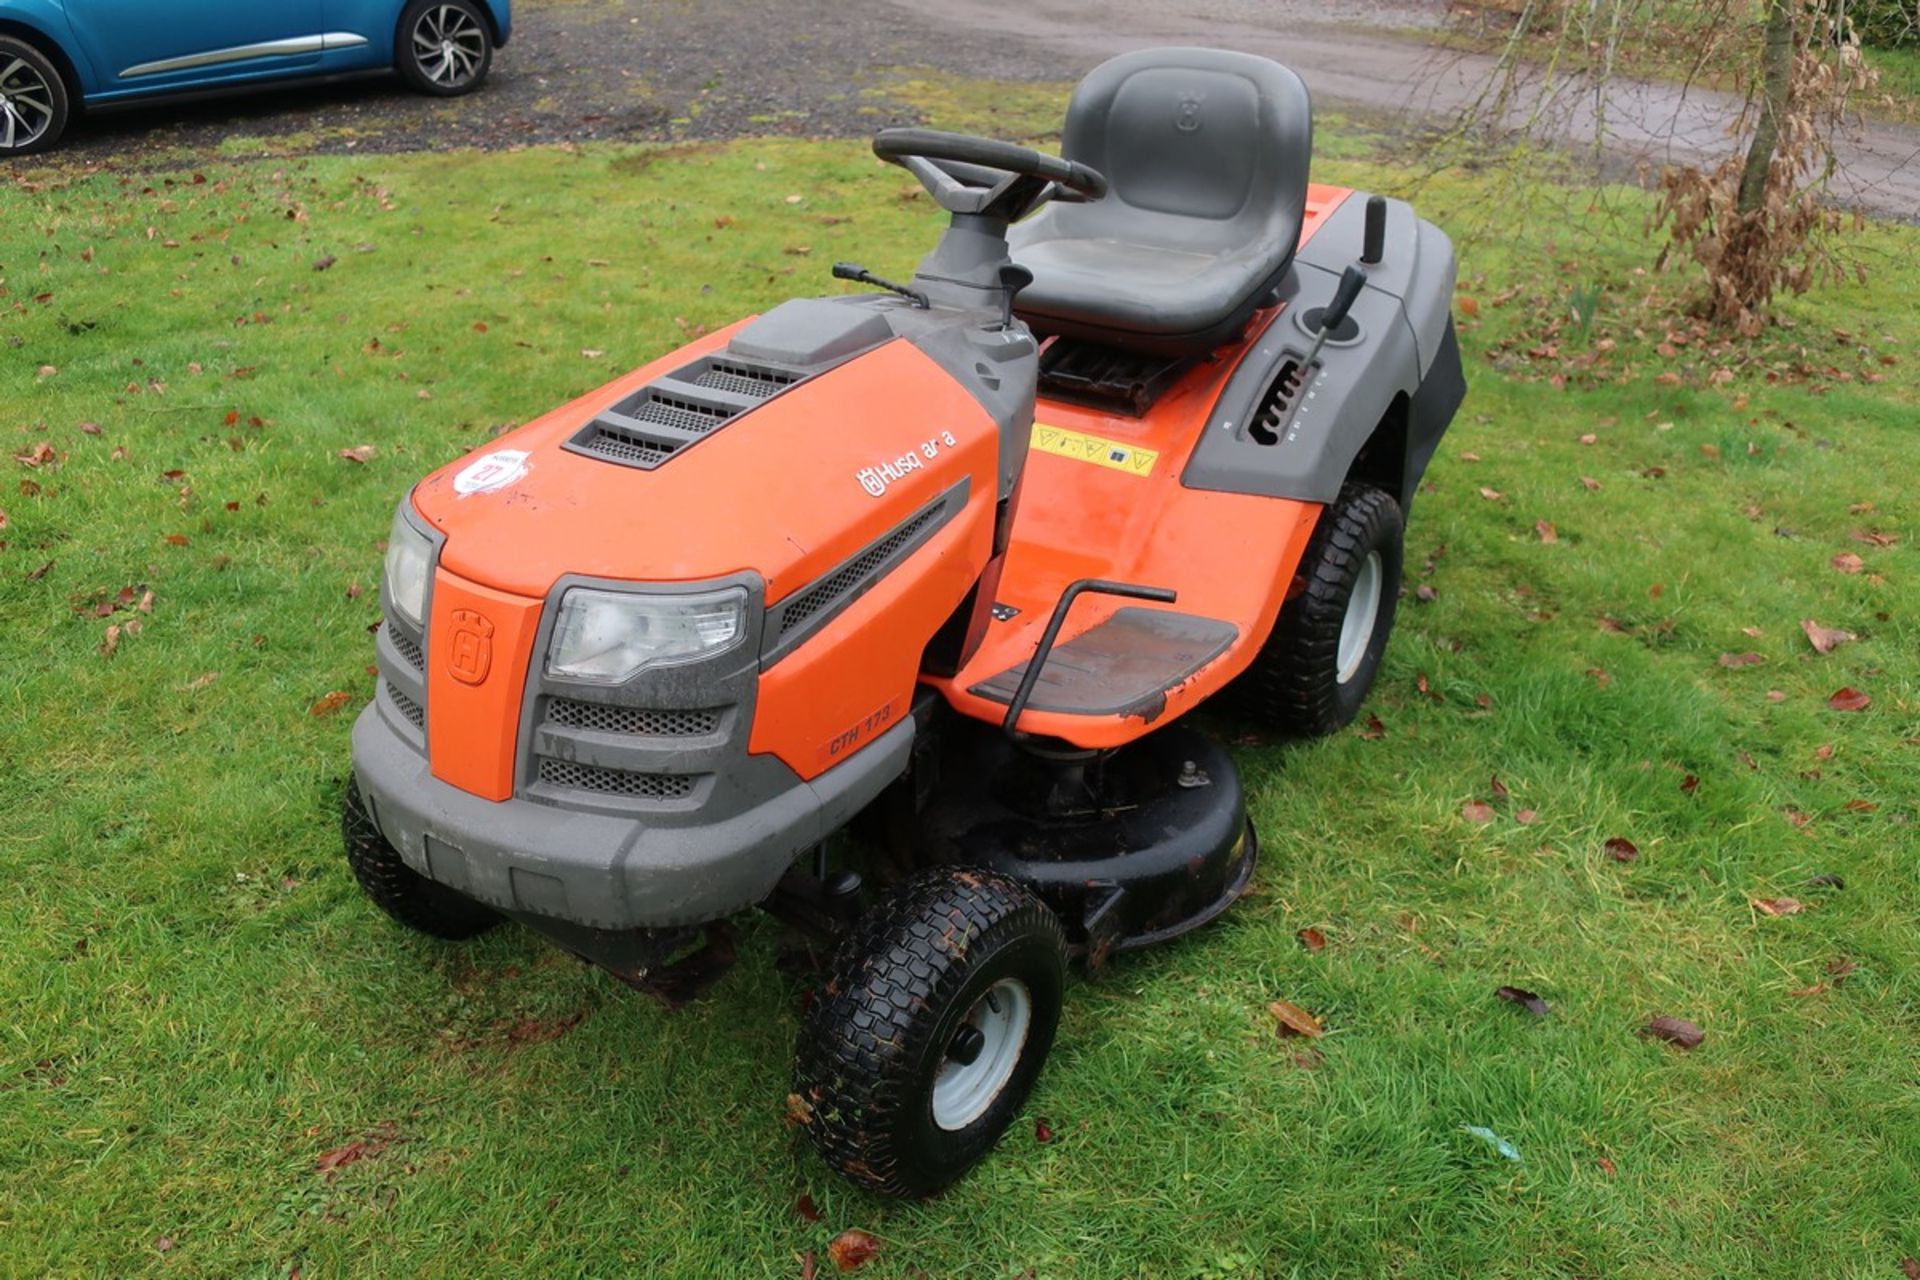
409	561
611	636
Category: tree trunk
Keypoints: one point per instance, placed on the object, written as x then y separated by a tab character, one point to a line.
1776	101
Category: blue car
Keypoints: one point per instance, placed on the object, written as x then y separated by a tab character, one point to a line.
58	56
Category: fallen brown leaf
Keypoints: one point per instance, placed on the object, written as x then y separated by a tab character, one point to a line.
805	1207
1849	699
1592	485
1527	817
359	453
1312	939
1824	639
331	703
1677	1032
1847	562
1779	906
853	1248
1545	530
1042	1131
1295	1021
1374	730
1478	812
1621	849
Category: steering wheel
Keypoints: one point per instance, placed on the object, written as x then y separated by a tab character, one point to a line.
970	175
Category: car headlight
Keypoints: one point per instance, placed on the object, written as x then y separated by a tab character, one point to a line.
611	636
409	563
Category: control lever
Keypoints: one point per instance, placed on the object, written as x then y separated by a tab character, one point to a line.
1013	278
860	275
1375	241
1352	281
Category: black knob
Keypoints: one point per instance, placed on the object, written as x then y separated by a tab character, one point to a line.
1375	243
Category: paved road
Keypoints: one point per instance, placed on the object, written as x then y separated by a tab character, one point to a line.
1345	57
660	71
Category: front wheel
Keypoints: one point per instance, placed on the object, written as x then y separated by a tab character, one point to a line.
423	905
445	47
1314	672
924	1044
33	100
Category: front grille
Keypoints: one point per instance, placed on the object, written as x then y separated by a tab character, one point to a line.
416	715
408	648
744	379
641	721
619	782
854	572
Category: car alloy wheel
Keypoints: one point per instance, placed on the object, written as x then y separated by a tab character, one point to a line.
450	46
26	105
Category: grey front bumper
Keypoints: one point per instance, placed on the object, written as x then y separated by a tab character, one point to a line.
602	870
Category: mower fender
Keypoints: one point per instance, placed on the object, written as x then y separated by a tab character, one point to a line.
1394	368
598	869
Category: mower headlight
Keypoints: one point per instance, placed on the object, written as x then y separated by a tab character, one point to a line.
611	636
409	564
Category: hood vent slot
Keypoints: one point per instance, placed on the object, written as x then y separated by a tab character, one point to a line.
681	409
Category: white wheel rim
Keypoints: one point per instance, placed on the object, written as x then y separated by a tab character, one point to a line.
963	1091
1363	610
26	105
449	45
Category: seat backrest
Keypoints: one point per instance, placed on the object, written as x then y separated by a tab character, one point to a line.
1207	150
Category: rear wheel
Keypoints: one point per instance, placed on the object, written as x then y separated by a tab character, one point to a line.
445	47
420	904
923	1046
1314	672
33	99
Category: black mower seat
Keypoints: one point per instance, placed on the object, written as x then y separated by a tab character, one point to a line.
1207	154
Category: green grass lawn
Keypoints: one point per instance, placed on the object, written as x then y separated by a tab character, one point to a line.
201	1005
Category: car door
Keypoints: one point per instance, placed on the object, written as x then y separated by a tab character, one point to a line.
146	46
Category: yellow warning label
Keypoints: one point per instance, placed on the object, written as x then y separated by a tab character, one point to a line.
1085	448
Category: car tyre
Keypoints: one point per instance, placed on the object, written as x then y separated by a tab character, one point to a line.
921	1048
1314	672
420	904
34	105
444	48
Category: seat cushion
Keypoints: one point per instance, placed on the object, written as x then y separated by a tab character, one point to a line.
1134	288
1206	153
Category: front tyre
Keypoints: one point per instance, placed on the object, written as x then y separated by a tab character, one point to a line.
444	47
1314	672
422	905
925	1042
34	107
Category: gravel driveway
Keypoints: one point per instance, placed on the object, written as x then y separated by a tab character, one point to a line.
662	70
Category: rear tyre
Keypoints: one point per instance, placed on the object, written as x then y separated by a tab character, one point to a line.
444	47
397	889
924	1044
34	108
1314	672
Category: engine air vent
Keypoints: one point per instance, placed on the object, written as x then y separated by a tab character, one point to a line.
799	615
681	409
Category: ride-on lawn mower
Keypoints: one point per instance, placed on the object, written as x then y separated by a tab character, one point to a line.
943	565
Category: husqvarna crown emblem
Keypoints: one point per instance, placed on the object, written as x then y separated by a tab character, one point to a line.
1186	115
469	647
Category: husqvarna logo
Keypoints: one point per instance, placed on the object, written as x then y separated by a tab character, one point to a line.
1186	114
469	646
876	478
